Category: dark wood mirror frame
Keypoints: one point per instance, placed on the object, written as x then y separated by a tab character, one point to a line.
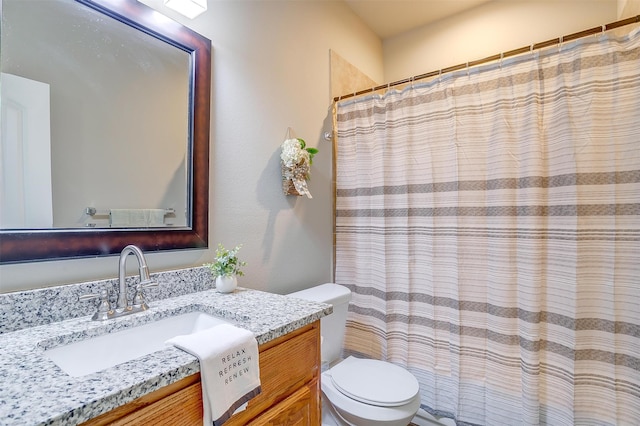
41	245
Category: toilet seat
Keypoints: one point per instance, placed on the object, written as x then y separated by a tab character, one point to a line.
374	382
353	412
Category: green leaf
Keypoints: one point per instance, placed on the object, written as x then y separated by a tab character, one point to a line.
302	142
312	151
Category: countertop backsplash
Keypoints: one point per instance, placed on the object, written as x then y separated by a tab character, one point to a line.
31	308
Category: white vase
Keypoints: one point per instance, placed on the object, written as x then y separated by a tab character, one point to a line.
226	283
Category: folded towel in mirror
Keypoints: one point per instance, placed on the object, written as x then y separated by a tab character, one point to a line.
136	218
229	369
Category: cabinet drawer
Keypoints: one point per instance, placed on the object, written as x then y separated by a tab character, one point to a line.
183	408
284	368
179	404
299	409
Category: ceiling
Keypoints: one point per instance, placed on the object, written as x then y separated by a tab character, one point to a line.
388	18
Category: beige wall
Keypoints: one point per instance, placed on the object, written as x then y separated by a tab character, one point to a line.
488	29
628	8
270	71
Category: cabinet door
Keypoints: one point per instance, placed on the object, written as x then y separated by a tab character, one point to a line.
299	409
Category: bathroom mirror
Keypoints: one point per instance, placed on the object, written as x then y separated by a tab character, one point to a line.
160	144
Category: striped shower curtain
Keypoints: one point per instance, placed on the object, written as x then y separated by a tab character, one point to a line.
488	225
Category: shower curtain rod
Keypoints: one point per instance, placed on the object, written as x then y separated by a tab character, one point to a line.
536	46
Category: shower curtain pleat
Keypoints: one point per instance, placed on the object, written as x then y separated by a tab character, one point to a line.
488	225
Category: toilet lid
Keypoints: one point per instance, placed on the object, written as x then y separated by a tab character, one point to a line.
374	382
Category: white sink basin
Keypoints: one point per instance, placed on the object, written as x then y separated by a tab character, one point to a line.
101	352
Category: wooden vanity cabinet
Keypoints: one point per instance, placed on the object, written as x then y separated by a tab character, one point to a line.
289	375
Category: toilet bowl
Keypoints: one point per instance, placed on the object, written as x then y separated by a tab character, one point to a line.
356	391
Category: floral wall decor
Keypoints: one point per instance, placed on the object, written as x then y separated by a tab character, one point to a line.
296	165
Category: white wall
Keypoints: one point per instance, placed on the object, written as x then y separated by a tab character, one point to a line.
270	71
491	28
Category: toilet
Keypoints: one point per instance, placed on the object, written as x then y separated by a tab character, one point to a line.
358	392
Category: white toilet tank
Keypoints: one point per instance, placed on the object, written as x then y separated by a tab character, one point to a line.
332	327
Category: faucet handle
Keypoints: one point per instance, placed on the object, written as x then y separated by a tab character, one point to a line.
104	307
148	284
139	299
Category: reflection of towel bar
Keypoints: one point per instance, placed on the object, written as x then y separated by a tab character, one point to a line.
91	211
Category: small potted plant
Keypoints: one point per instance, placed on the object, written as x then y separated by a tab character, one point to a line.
226	268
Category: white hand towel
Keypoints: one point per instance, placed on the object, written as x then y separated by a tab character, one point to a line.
229	368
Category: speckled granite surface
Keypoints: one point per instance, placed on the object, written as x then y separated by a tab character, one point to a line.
35	391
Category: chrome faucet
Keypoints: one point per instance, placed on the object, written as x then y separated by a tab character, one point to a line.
139	303
123	307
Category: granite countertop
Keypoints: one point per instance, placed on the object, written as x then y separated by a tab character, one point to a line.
35	391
